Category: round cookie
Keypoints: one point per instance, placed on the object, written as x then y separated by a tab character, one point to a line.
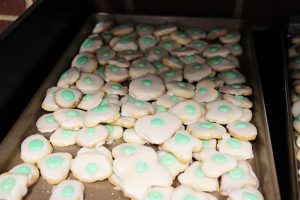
68	78
146	41
156	53
185	192
104	55
296	124
238	100
231	37
121	62
63	138
245	194
181	89
114	132
89	83
144	29
90	100
115	73
164	30
220	64
67	98
205	94
172	75
115	88
235	49
48	103
126	122
123	28
216	32
172	62
214	50
296	109
232	77
169	45
126	149
85	62
196	72
102	25
27	169
35	147
206	130
189	59
68	189
46	123
13	186
162	193
92	137
168	101
130	136
107	36
181	37
100	72
159	108
247	115
198	45
206	144
111	99
236	89
101	114
240	150
101	150
188	111
130	54
123	43
91	44
242	130
137	109
141	67
196	33
71	119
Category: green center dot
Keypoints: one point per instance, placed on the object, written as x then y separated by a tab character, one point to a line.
182	139
236	173
91	168
161	109
50	118
54	161
82	60
90	131
181	84
216	60
141	64
116	86
182	35
155	195
238	96
156	122
158	64
174	59
167	159
189	197
190	58
168	44
87	43
242	124
106	53
115	68
87	97
207	125
68	95
158	51
229	35
199	173
229	74
100	71
68	191
234	143
205	144
125	40
236	86
249	196
170	73
104	102
141	167
214	30
23	170
36	145
147	83
8	184
64	75
72	113
148	40
199	43
236	47
202	90
99	24
110	128
129	51
298	118
88	80
224	108
145	27
100	109
219	158
190	109
214	49
128	149
174	98
138	103
197	66
67	133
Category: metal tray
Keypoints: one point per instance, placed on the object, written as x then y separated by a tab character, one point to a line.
263	164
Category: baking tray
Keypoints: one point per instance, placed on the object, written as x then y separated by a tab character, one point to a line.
263	164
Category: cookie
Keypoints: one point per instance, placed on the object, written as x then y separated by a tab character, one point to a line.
55	167
296	109
107	36
156	53
130	136
216	32
181	37
68	189
189	59
126	149
115	88
240	150
205	94
169	45
91	167
206	144
231	37
27	169
185	192
159	108
137	109
111	99
146	42
148	87
91	44
242	130
144	29
172	75
68	78
123	43
89	83
194	178
114	132
236	89
67	98
101	114
214	50
46	123
235	49
245	194
198	45
196	33
172	62
63	138
220	64
130	54
159	193
206	130
102	25
296	124
188	111
13	186
238	100
164	30
92	137
100	72
85	62
101	150
123	28
247	115
48	103
90	100
168	101
140	68
34	148
126	122
232	77
180	89
71	119
104	55
114	73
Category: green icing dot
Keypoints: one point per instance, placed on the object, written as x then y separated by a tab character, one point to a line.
158	51
129	51
87	97
161	109
216	60
214	30
214	49
167	159
141	64
90	131
207	125
141	166
110	128
249	196
190	58
125	40
236	86
197	66
156	122
170	73
199	173
168	44
104	102
199	43
100	71
54	161
115	68
158	64
82	60
91	168
298	118
72	113
174	98
174	59
242	124
23	170
202	90
224	108
138	103
100	109
116	86
68	95
238	96
182	139
189	197
8	184
236	173
219	158
68	191
190	109
148	40
36	145
128	149
229	74
236	47
64	75
234	143
155	195
106	53
145	27
205	144
88	80
99	24
147	83
181	84
50	118
87	42
67	133
229	35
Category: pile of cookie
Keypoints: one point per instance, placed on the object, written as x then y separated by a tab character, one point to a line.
169	102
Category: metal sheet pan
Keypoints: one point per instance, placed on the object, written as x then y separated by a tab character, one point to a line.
263	164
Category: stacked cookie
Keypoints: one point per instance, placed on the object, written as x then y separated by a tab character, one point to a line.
172	104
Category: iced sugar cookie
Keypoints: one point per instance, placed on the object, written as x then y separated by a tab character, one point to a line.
90	100
184	192
159	108
148	87
123	43
104	55
101	114
111	99
85	62
101	149
181	89
156	53
206	130
67	98
157	128
71	119
68	78
240	150
172	62
204	94
162	193
181	37
172	75
48	103
238	100
137	108
27	169
220	64
35	147
164	30
146	42
107	36
91	167
102	25
182	145
296	124
206	144
245	194
115	88
169	45
55	167
62	137
123	28
92	137
242	130
115	73
189	59
144	29
216	32
196	72
296	109
121	62
236	89
214	50
235	49
130	54
89	83
168	101
68	189
198	45
196	33
194	178
46	123
131	136
141	67
126	149
232	77
188	111
247	115
13	186
114	132
126	122
91	44
231	37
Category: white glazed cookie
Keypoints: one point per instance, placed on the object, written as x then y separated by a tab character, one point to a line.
232	77
296	109
67	98
162	193
101	149
104	55
235	49
205	94
146	41
182	145
157	54
164	30
241	176
27	169
181	89
130	54
196	33
13	186
172	75
92	137
157	128
68	189
90	100
220	64
215	163
188	111
181	37
123	43
91	44
89	83
206	144
121	62
35	147
213	50
242	130
184	192
101	114
216	32
169	45
115	73
238	100
126	149
126	122
55	167
91	167
168	160
111	99
159	108
194	178
247	115
173	62
206	130
196	72
296	124
130	136
168	101
148	87
141	67
189	59
85	62
123	28
198	45
114	88
46	123
48	103
144	29
245	194
102	25
71	119
63	138
231	37
236	89
240	150
68	78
